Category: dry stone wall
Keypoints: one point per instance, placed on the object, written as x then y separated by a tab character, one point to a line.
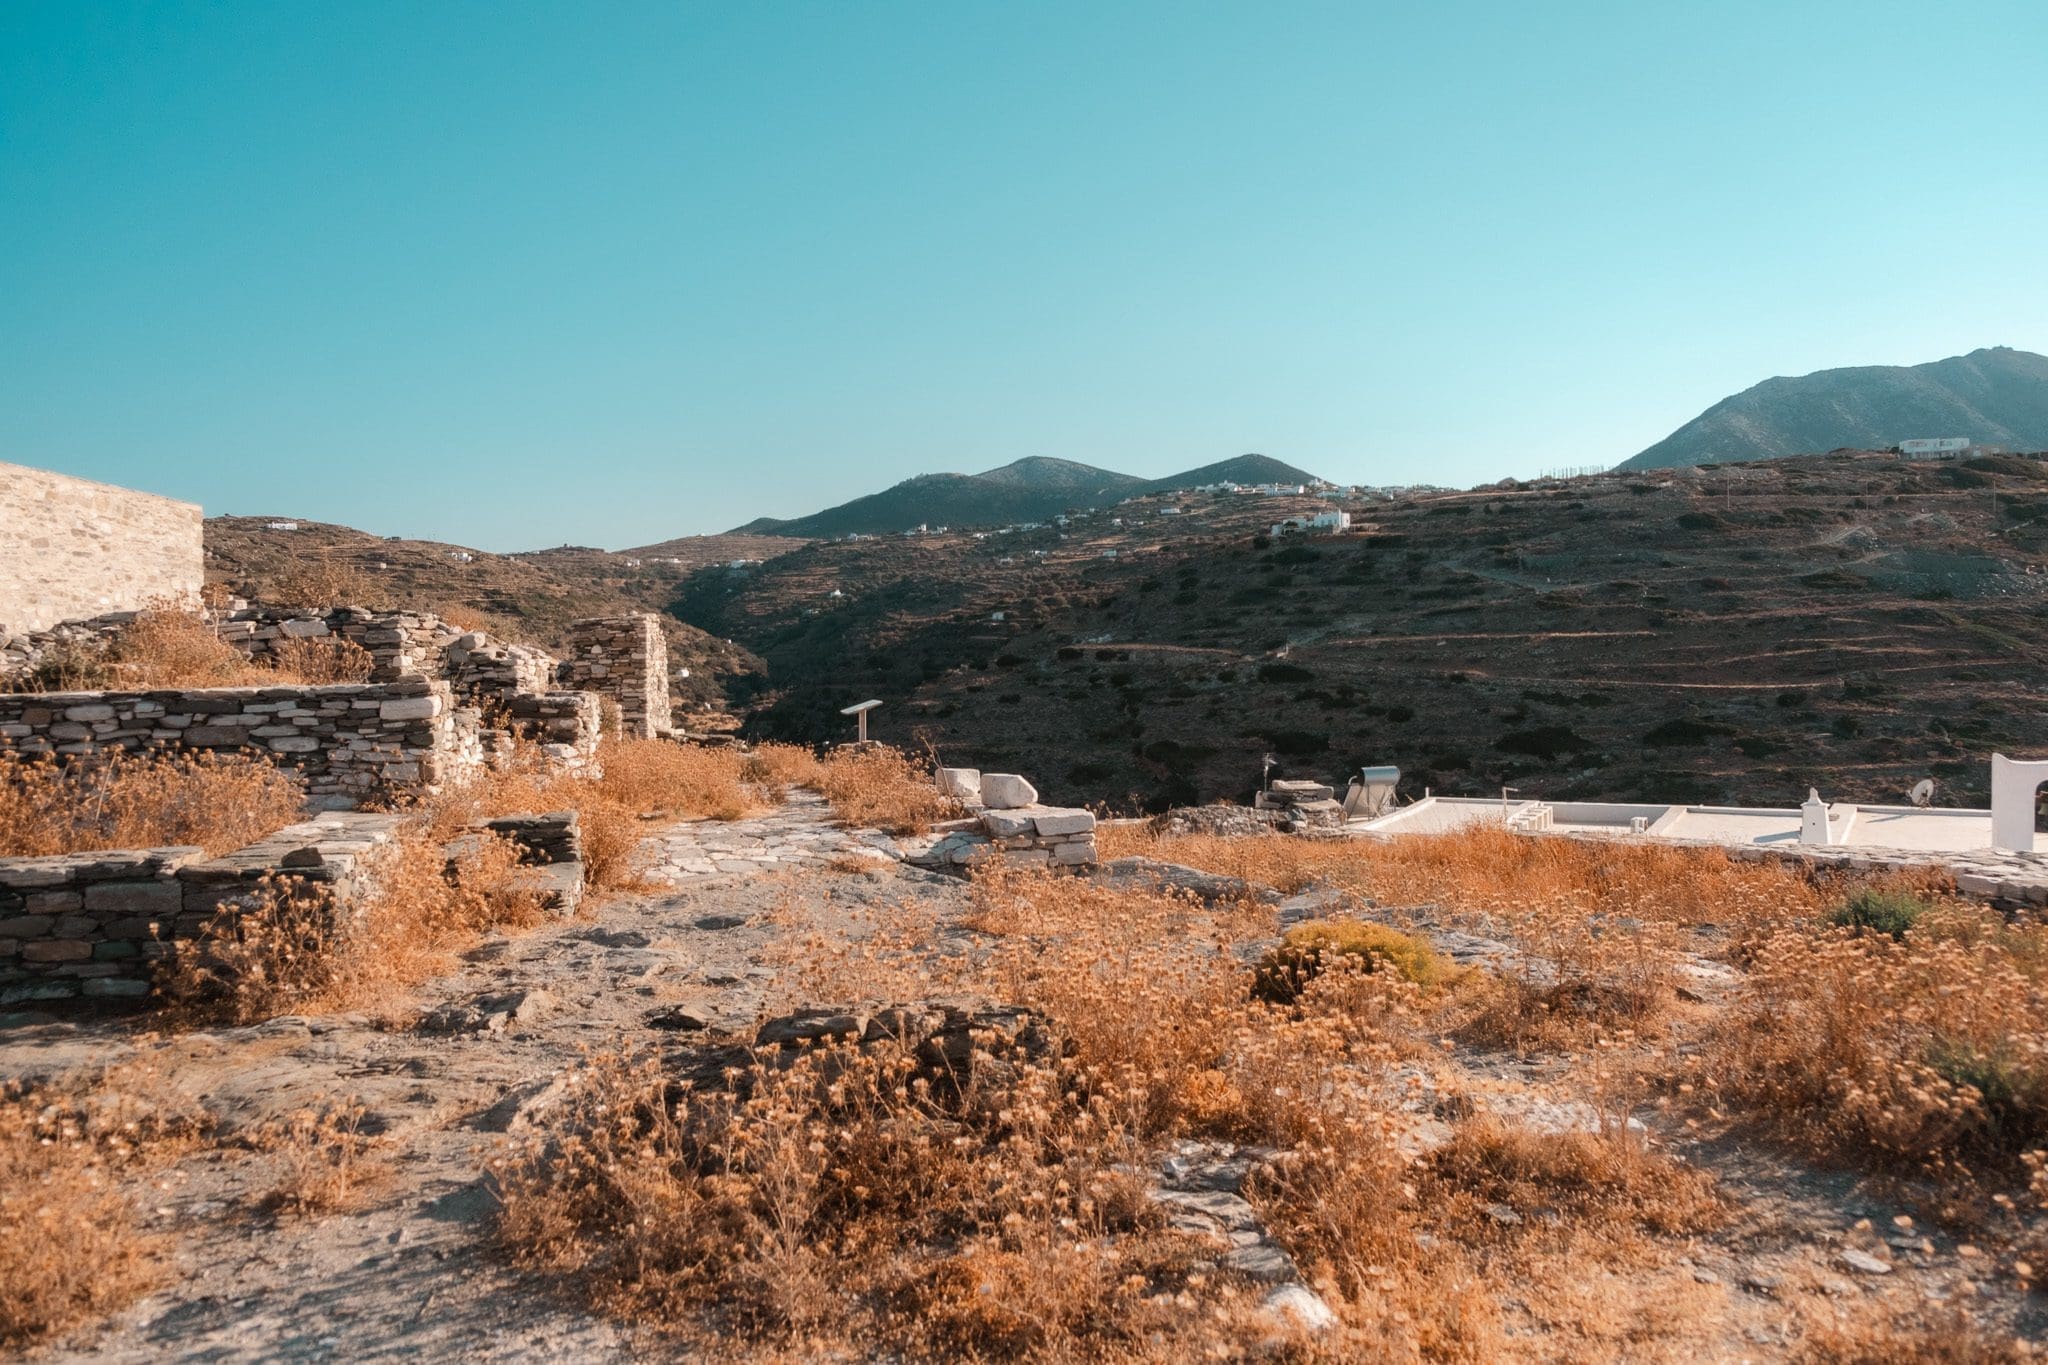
351	742
99	925
73	548
624	658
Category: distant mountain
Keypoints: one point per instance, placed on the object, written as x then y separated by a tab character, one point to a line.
1032	489
1997	396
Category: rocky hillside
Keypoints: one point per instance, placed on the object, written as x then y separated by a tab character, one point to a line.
1854	622
525	597
1997	396
1035	489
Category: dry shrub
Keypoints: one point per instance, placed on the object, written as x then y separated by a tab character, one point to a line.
170	648
322	1154
1926	1052
1609	1179
70	1247
778	767
874	786
324	584
1301	955
1952	1337
118	800
284	950
847	1204
321	662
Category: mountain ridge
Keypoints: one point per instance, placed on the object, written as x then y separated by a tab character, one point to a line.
1035	488
1995	396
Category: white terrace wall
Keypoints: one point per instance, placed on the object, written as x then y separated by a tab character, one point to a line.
352	742
72	548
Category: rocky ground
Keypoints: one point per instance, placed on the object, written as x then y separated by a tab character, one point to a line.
453	1075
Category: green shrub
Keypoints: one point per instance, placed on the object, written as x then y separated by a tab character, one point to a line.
2014	1095
1285	971
1883	912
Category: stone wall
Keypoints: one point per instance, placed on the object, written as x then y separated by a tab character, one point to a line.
73	548
351	741
99	925
624	658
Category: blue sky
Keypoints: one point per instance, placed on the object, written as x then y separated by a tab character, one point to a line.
514	274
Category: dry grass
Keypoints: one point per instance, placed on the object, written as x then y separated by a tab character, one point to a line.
324	1159
285	951
153	801
854	1204
321	662
162	647
643	779
324	584
71	1249
877	787
1928	1052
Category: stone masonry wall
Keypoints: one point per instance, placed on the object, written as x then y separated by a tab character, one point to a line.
624	658
73	548
99	925
352	741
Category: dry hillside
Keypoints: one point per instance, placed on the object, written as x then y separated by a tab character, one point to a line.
1727	633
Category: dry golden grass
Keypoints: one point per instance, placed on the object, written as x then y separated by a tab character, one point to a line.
325	1161
286	953
71	1248
1928	1052
321	662
123	801
324	584
171	647
855	1205
1484	870
643	779
876	787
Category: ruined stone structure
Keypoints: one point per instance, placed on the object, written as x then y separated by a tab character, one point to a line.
73	548
624	658
351	741
1008	823
98	925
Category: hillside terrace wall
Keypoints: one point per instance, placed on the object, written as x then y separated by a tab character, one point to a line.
74	548
351	742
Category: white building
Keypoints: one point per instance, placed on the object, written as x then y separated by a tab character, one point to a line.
1935	448
1330	523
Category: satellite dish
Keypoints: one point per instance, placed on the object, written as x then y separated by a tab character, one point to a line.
1922	793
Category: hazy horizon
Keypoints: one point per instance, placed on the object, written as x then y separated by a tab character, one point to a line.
514	276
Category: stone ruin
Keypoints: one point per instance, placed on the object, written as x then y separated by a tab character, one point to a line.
1008	823
100	925
440	700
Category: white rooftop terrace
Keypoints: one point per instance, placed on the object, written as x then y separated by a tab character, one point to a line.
1908	828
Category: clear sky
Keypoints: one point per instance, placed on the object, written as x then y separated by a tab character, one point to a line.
517	274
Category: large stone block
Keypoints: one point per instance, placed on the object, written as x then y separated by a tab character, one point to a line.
962	784
1006	791
1057	822
156	897
410	708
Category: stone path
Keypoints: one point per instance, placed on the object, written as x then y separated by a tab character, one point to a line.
799	835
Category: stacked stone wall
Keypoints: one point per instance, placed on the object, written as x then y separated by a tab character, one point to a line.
624	658
351	742
73	548
100	925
